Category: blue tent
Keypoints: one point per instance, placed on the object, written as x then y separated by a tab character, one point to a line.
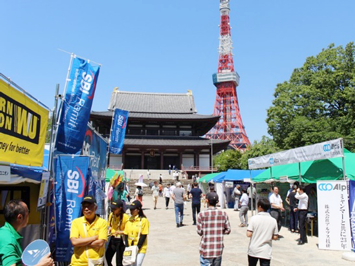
219	178
31	172
236	175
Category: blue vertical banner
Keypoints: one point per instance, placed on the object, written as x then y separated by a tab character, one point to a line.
70	176
96	147
118	131
76	107
352	210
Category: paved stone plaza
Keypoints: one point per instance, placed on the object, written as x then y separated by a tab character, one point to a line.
168	245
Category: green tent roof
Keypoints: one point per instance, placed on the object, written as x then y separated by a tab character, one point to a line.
331	169
207	178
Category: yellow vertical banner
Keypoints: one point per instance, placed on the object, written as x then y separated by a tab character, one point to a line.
23	127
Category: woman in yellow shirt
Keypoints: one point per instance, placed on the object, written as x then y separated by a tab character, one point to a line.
116	222
136	231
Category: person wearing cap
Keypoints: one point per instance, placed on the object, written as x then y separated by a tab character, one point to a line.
136	231
212	225
116	225
179	196
88	234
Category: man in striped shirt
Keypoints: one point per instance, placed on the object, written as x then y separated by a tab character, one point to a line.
212	225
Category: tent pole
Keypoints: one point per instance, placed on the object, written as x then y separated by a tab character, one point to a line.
299	173
343	159
251	191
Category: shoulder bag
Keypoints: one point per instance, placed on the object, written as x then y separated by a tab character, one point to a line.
98	262
130	253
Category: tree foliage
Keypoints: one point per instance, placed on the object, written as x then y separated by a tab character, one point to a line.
318	101
235	159
229	159
263	147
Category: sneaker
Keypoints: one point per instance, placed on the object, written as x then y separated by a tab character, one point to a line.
181	224
242	225
177	225
194	224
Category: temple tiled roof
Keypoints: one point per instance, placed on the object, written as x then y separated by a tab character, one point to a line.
144	102
158	115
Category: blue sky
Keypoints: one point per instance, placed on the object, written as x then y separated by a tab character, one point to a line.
169	46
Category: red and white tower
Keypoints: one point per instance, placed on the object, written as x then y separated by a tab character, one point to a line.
230	125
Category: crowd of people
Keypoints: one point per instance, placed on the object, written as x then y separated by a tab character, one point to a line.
94	238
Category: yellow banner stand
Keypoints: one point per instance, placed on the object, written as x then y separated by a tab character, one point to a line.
23	127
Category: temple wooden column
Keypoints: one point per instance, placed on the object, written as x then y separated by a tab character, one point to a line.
123	159
142	159
180	159
161	160
197	158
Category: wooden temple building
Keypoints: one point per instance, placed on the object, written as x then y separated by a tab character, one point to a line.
163	129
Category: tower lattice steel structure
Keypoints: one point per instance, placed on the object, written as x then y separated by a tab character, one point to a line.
230	125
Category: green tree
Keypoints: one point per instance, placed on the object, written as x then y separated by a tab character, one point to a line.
229	159
318	101
49	129
263	147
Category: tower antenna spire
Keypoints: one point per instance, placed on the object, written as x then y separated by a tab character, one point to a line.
230	125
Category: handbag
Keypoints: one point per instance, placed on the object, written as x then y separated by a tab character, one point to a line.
98	262
130	253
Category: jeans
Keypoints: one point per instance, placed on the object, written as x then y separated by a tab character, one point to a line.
179	208
195	209
115	246
293	219
275	213
167	202
303	216
236	204
253	261
243	215
211	261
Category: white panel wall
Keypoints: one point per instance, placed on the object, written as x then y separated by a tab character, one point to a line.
115	161
204	160
187	160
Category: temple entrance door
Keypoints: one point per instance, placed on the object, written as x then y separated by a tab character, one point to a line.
132	162
152	162
172	160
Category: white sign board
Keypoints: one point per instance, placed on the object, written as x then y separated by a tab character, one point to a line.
333	215
43	192
228	184
319	151
5	173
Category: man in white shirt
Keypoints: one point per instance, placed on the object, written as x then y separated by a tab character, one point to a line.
302	213
251	193
155	194
276	207
262	229
243	212
236	194
167	194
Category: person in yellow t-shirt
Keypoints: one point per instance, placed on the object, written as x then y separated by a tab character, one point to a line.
136	231
116	222
88	234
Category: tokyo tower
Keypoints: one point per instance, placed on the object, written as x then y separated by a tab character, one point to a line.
230	125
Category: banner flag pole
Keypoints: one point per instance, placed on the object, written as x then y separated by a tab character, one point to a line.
343	159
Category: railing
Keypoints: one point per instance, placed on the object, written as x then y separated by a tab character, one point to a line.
199	168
